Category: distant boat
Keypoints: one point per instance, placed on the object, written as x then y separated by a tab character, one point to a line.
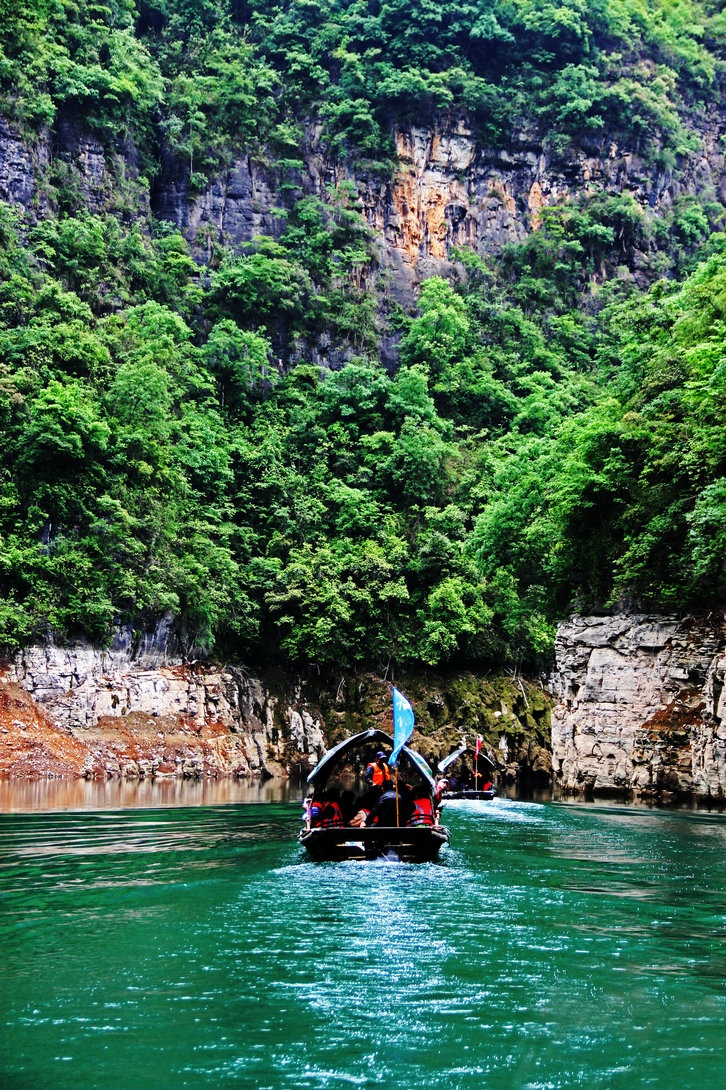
465	782
405	824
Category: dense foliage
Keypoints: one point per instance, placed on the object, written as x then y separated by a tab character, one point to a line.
552	436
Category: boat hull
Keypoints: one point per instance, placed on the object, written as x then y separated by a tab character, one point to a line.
417	844
490	794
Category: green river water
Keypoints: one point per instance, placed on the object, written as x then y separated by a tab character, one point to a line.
553	946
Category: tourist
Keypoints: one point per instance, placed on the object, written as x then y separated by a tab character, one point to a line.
423	809
394	807
325	812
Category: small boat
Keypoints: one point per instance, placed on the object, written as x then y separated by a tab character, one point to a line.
340	779
466	783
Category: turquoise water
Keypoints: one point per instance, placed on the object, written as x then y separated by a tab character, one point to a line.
552	946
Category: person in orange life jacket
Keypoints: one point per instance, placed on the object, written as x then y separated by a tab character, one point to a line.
391	805
423	808
377	773
325	812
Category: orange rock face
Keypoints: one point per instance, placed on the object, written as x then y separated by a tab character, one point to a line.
31	746
430	196
80	714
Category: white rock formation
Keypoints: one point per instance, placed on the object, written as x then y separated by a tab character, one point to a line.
640	706
238	726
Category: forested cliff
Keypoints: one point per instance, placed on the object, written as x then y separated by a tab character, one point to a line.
360	333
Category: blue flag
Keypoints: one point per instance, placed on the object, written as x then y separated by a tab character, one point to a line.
402	725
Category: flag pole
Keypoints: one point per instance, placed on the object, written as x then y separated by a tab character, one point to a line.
397	819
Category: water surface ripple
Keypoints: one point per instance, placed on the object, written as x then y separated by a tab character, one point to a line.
553	946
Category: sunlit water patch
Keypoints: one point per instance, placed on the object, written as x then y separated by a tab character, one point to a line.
551	946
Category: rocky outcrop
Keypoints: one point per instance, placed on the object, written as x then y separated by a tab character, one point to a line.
139	710
19	168
640	712
123	712
640	707
448	189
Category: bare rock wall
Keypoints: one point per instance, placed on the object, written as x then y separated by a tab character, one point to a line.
128	714
640	708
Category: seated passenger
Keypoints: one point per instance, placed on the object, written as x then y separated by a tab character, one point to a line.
365	805
423	809
325	812
393	807
307	803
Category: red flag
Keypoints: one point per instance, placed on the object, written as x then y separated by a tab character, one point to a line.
479	741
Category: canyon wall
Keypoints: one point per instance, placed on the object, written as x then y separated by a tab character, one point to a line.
640	707
448	190
141	712
640	712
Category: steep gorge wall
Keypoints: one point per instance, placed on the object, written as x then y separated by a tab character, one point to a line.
80	711
448	189
641	709
139	710
640	712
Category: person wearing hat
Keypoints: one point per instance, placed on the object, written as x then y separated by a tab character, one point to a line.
377	774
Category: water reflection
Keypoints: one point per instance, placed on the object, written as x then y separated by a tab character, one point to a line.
28	796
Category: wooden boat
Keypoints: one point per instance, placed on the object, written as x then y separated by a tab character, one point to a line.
471	793
464	785
342	771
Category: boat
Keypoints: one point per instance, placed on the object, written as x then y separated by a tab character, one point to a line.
341	776
465	782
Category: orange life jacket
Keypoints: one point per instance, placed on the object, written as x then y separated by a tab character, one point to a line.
379	776
423	812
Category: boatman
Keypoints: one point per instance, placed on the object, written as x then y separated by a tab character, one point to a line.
377	774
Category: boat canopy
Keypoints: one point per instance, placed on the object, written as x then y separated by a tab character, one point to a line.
323	768
448	761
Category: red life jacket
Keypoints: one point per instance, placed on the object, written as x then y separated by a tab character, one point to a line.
423	812
327	815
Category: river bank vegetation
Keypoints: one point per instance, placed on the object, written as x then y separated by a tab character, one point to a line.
552	435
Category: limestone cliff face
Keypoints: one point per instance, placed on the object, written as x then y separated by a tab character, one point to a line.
640	712
139	711
448	189
136	713
641	709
